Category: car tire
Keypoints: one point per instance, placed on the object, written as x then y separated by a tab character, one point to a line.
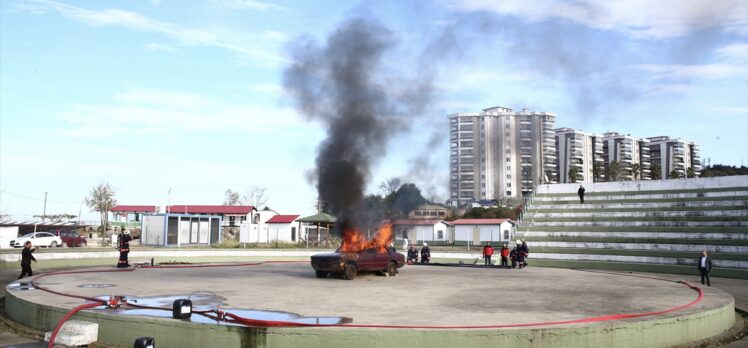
349	272
391	269
53	244
321	274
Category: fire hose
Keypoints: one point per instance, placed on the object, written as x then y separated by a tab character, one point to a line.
228	317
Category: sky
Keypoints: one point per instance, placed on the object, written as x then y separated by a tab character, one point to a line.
177	101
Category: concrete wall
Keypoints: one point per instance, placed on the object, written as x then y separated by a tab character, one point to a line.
672	184
122	331
487	232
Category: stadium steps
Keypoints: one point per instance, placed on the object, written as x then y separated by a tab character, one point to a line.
640	230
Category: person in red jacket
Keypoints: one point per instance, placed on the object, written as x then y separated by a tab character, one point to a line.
487	253
505	256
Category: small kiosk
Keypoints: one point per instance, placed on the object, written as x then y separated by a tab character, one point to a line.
180	230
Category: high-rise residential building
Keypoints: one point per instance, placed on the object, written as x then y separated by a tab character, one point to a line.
581	151
500	153
677	158
625	157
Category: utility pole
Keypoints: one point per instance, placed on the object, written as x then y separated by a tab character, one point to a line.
44	213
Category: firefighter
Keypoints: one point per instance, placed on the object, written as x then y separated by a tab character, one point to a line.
26	259
123	243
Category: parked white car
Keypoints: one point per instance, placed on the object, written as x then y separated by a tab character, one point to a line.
38	239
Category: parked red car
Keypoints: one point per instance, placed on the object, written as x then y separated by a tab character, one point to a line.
71	238
348	264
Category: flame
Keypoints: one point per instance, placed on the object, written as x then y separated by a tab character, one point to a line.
355	241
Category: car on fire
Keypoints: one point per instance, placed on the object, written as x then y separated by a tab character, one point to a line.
349	264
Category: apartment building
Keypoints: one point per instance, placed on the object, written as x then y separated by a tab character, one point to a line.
678	157
499	153
582	151
626	157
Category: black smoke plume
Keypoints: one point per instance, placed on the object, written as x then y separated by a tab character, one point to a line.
350	85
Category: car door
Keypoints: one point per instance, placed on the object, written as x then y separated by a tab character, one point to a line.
366	259
44	238
76	238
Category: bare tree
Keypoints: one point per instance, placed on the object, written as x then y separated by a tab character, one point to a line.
390	186
101	200
256	196
231	197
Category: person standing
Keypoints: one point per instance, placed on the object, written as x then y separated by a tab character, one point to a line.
505	256
705	266
26	259
487	253
123	243
580	192
425	253
405	243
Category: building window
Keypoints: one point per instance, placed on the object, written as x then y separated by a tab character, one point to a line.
232	220
509	176
509	184
508	193
506	234
439	234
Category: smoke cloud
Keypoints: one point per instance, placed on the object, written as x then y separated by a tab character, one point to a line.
348	85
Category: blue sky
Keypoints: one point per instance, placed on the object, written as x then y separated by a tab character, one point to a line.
156	95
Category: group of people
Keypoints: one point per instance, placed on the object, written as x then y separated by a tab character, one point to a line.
518	255
413	254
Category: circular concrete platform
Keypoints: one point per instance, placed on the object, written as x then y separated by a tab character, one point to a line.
438	306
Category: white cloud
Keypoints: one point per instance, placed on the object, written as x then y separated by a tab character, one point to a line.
132	20
248	4
156	47
732	110
737	53
637	18
681	71
163	113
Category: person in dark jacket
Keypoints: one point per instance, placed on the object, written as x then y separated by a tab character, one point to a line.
487	253
705	266
425	253
123	243
580	192
412	254
505	256
26	259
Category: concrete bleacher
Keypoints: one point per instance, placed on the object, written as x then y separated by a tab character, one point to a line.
659	225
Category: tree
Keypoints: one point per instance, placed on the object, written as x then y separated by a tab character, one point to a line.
690	172
656	172
573	174
390	186
256	196
101	200
405	199
673	175
231	197
597	171
723	170
636	170
526	175
614	171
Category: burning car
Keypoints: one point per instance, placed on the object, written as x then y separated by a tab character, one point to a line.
348	264
358	254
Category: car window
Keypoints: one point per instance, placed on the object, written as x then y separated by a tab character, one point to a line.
44	235
28	235
75	235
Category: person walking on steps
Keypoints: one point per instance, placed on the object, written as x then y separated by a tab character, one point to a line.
705	266
26	259
580	192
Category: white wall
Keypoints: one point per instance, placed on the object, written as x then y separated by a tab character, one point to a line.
488	233
647	185
282	231
153	230
7	233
